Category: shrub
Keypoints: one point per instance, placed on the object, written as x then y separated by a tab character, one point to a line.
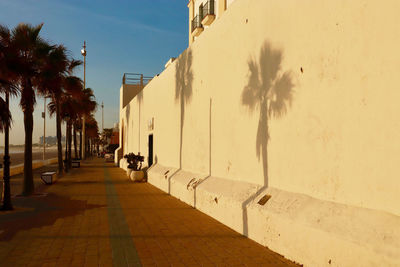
134	161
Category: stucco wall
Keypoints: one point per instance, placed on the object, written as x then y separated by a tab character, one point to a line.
319	77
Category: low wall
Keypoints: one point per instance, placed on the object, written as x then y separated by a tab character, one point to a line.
304	229
18	169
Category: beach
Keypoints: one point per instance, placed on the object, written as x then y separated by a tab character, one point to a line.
17	155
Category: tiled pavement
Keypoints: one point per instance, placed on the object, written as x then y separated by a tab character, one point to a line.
95	216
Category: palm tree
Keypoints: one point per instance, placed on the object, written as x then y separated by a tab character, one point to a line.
5	121
5	116
56	80
76	126
82	103
28	53
7	86
89	105
66	107
92	132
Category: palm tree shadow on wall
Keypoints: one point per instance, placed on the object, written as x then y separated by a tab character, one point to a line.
269	91
127	115
183	95
140	101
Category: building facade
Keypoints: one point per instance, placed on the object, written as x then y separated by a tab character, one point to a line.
281	121
202	14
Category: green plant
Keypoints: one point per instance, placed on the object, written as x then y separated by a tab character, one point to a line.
134	161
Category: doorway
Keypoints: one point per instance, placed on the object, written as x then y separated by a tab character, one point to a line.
150	157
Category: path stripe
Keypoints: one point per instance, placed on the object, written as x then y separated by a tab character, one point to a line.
123	249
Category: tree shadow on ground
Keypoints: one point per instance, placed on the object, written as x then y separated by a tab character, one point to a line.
183	95
39	211
269	90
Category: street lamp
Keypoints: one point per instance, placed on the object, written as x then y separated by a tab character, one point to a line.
102	124
83	52
102	117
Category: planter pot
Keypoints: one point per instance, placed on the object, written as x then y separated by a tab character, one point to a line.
128	172
137	176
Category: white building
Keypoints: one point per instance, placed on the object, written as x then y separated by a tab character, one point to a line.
281	120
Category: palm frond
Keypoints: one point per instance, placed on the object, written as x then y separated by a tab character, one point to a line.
73	64
5	115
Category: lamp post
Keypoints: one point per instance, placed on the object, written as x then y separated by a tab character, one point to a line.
83	52
102	124
102	117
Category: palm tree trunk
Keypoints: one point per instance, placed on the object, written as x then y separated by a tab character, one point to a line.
28	187
59	145
80	144
6	169
69	144
86	145
75	145
66	148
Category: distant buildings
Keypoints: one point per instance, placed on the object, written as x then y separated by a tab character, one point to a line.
51	140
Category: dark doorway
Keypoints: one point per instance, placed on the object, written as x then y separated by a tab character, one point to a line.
150	157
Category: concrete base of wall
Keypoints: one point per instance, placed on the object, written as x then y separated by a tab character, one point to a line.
303	229
118	155
18	169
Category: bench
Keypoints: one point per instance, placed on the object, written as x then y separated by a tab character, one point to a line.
109	157
75	164
47	177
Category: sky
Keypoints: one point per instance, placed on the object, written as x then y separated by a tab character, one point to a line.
121	36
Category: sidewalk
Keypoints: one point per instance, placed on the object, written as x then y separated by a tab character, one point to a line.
95	216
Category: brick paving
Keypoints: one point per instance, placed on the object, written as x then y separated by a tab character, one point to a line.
95	216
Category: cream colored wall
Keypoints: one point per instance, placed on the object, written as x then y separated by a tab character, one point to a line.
229	2
339	139
221	7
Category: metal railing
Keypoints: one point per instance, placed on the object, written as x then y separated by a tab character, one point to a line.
135	78
208	8
196	23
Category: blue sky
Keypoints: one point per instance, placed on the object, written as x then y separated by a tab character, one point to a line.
121	36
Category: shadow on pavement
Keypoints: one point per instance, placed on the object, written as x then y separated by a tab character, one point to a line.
38	211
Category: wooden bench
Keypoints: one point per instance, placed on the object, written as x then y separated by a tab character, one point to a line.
76	164
47	177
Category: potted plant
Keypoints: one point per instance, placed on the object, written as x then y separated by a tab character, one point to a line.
134	171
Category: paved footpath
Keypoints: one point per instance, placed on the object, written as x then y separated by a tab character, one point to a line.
95	216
